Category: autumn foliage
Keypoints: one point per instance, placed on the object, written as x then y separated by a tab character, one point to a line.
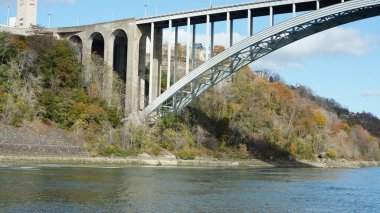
247	115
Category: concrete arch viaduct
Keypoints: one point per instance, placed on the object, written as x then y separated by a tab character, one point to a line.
122	44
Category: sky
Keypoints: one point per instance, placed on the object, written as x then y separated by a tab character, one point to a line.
342	63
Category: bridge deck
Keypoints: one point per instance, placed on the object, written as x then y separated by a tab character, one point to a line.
237	11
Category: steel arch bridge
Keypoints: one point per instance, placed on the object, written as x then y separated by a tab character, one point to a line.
194	84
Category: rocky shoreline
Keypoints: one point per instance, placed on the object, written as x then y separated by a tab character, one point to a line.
37	143
144	160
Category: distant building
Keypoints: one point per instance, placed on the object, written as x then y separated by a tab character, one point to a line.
198	46
26	13
12	21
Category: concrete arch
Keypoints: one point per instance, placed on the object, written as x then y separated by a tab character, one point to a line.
119	41
255	47
97	44
78	45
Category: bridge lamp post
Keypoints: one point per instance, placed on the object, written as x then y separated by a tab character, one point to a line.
8	16
49	20
145	7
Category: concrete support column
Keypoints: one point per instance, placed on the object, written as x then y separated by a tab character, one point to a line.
250	23
151	66
188	47
109	45
132	69
86	59
142	70
208	42
231	32
109	50
175	55
271	17
193	58
169	64
229	29
294	10
157	62
175	61
212	39
318	5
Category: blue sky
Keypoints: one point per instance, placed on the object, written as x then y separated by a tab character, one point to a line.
342	63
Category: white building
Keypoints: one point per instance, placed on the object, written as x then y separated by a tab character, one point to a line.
26	13
12	21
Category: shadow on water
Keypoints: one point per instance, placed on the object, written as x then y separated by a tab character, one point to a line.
263	150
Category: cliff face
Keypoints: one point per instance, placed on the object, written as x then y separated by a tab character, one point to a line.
246	116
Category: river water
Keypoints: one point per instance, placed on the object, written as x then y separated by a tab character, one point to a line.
147	189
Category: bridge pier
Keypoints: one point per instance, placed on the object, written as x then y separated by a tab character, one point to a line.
86	57
271	17
175	55
193	59
208	37
250	23
142	71
212	39
109	61
155	62
188	46
132	71
168	75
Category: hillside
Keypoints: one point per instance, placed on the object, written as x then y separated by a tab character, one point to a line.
244	117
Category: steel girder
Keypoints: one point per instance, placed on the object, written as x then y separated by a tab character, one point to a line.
177	97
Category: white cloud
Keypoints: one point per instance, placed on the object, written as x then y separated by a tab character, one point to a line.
336	41
371	93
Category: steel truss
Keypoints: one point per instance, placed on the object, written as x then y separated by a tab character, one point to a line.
230	61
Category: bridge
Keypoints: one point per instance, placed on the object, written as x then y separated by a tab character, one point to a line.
122	44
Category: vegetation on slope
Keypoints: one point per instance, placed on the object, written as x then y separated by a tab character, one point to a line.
40	77
246	116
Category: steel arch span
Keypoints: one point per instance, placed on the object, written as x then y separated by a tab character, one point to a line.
182	93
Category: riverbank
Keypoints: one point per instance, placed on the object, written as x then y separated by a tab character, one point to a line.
144	160
38	143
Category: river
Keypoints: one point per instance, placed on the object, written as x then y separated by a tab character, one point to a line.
160	189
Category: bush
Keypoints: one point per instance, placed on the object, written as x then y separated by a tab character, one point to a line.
186	154
155	150
330	153
113	150
293	150
243	151
168	121
169	137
